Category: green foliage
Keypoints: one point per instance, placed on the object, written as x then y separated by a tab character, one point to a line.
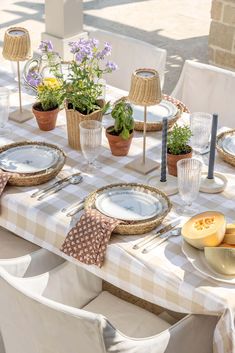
178	139
81	90
124	122
49	94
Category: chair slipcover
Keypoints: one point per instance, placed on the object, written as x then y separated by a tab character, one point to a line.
37	316
130	54
207	88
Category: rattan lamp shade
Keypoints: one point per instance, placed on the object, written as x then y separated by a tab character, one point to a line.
145	87
16	46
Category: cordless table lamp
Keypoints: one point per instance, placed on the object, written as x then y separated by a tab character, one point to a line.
145	91
16	47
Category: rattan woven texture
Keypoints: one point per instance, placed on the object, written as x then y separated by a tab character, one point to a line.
134	227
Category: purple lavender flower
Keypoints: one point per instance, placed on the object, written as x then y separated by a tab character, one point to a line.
105	52
111	66
94	42
33	78
46	46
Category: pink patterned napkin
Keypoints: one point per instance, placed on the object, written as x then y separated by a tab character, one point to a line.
4	177
87	241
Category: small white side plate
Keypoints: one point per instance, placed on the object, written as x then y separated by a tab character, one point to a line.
28	159
228	144
128	205
155	113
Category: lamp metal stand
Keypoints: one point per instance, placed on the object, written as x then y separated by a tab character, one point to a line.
20	115
142	164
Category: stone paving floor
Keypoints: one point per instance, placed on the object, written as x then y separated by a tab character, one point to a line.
179	26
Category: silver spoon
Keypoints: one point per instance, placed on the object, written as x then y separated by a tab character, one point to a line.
76	179
174	233
50	187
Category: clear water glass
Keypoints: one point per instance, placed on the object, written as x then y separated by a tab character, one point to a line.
189	177
200	125
90	140
4	111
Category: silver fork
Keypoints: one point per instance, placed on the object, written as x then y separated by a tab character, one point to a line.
173	233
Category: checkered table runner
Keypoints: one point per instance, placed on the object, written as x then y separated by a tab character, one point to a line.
163	276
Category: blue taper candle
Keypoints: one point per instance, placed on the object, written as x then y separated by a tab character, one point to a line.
212	147
164	149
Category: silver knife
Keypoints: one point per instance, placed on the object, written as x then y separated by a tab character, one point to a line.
56	189
75	210
57	183
163	230
70	208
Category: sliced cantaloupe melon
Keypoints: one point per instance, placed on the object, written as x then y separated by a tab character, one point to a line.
205	229
224	245
230	228
229	239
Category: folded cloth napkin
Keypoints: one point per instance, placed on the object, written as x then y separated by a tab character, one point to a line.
4	177
88	240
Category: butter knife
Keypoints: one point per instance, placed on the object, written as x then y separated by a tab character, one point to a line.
54	185
59	187
163	230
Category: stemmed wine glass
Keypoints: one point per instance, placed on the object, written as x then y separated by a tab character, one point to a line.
200	125
189	176
90	141
4	111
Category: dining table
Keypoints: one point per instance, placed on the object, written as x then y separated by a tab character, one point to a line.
163	276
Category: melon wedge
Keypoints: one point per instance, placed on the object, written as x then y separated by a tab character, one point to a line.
230	228
205	229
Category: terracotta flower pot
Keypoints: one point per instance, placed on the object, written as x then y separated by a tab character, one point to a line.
172	160
46	119
118	146
74	118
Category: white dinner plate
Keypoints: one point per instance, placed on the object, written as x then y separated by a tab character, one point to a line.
28	159
155	113
228	144
197	259
128	204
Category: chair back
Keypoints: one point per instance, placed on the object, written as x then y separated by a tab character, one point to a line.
130	54
207	88
30	322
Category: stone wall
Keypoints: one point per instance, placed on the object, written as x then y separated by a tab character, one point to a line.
222	34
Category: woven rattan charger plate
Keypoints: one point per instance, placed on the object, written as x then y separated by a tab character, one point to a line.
134	227
227	157
33	179
157	126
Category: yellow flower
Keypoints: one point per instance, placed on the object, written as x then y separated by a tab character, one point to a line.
51	82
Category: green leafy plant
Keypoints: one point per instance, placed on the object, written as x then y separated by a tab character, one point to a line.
122	113
82	89
178	139
49	94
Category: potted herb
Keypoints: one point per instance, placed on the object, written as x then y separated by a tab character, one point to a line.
49	98
177	147
120	134
82	88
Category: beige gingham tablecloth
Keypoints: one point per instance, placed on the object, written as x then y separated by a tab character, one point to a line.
163	276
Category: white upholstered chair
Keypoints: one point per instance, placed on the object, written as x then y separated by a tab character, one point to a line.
23	259
207	88
65	310
130	54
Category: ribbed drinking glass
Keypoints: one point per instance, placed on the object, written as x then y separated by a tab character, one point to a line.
200	125
189	176
90	140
